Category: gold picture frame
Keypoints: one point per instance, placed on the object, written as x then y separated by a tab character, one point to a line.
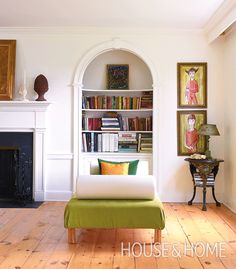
192	85
7	68
188	123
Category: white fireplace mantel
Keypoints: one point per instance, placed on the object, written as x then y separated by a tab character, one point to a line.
20	116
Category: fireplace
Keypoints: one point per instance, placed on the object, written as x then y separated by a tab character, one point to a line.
16	166
25	122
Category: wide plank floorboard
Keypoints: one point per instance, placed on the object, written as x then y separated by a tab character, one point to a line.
36	239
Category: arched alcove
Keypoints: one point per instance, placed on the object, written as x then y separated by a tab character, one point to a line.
139	74
91	66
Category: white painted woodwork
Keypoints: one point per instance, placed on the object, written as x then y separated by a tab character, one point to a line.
17	116
116	44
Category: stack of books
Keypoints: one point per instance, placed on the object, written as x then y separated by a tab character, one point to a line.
146	100
110	122
127	142
145	143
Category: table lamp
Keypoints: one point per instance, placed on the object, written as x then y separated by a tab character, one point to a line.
208	130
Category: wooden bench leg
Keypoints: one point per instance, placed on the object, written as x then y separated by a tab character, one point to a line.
71	236
157	236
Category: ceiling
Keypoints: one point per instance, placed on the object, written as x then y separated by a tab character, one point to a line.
185	14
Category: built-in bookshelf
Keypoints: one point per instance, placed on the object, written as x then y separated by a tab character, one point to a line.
117	121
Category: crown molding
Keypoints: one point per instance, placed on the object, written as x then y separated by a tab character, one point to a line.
221	20
57	31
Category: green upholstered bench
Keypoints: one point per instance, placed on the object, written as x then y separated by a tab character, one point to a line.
147	214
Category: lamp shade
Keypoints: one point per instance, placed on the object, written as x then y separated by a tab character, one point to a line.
208	129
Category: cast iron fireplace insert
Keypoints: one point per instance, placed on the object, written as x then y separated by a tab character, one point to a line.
16	167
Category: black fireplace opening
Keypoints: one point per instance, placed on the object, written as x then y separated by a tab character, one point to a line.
16	167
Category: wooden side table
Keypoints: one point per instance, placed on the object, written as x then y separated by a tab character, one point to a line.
204	168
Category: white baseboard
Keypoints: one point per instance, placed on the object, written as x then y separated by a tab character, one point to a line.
58	195
231	206
39	196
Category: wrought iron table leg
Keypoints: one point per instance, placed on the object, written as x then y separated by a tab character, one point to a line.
213	194
204	200
194	193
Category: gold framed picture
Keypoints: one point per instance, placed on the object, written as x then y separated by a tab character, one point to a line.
7	68
188	124
192	85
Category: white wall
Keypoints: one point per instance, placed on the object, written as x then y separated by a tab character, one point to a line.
229	90
56	55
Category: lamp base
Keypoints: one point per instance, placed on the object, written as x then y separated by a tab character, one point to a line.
208	154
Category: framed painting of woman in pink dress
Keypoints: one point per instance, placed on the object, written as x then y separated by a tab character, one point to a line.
189	141
192	85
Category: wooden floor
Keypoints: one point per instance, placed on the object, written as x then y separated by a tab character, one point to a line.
35	238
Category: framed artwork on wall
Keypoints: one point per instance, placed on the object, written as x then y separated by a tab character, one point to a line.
118	76
188	123
192	85
7	68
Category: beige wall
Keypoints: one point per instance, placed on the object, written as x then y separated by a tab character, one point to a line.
229	92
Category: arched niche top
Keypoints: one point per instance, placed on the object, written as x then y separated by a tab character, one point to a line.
114	44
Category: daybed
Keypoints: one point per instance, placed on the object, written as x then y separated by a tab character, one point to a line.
117	201
114	213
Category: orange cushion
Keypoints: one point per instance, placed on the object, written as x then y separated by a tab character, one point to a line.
114	169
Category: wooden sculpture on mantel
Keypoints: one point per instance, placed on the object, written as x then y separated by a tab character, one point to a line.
41	87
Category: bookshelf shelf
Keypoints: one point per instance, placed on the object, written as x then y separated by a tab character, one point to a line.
131	154
129	110
116	91
146	132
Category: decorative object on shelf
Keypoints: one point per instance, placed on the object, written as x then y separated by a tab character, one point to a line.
192	85
197	156
7	68
41	87
188	124
23	89
117	76
208	130
203	174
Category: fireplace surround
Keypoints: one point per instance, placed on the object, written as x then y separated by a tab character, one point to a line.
28	117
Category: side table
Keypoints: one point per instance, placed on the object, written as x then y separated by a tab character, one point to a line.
206	170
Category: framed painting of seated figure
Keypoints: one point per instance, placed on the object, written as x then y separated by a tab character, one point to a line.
188	124
7	68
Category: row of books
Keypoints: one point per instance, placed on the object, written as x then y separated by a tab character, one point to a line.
116	102
119	123
145	143
114	142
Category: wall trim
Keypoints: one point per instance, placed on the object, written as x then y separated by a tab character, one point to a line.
231	206
60	156
58	31
90	55
221	20
57	195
